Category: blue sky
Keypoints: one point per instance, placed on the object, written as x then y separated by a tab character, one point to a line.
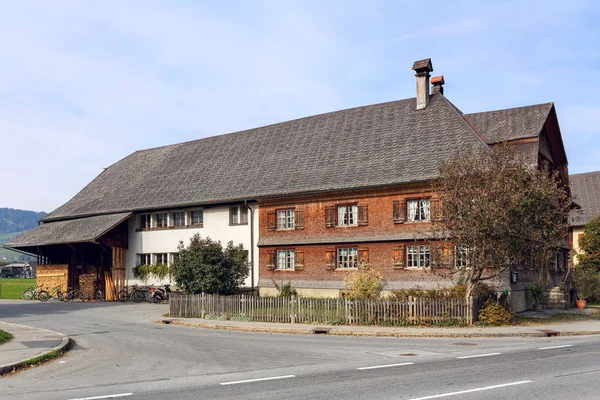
83	84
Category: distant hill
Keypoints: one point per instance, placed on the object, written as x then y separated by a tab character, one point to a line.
12	224
12	220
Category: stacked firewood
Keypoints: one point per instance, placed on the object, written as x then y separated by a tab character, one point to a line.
87	285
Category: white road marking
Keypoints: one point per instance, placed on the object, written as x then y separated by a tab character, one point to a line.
385	366
108	396
258	380
555	347
479	355
437	396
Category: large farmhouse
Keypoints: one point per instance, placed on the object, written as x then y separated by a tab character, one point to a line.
586	191
309	198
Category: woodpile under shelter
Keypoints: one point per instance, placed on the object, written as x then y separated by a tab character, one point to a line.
82	253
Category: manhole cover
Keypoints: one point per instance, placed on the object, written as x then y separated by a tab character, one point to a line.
408	355
464	344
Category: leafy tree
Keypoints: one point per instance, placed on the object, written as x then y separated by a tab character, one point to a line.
365	283
589	244
205	266
498	211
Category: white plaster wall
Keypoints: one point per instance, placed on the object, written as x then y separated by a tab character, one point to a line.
216	226
576	232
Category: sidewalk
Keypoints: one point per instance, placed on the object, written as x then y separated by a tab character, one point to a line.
28	345
542	330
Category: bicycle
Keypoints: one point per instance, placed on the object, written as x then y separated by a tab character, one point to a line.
44	295
98	294
72	294
135	294
31	293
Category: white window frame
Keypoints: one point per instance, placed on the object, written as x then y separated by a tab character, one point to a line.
161	258
418	256
347	215
286	259
144	259
285	219
463	255
347	257
418	210
173	258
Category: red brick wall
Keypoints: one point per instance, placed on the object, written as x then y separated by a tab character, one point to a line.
380	223
315	269
380	206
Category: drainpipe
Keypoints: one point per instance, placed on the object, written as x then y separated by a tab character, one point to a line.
251	243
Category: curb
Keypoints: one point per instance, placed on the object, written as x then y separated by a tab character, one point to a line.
62	348
333	331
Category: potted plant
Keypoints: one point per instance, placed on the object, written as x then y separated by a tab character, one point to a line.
586	283
536	291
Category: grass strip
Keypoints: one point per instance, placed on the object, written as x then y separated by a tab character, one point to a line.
5	336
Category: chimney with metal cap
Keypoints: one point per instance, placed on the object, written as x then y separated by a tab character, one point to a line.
422	69
438	84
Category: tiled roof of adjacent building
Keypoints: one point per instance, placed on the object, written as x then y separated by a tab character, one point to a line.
511	124
585	188
376	145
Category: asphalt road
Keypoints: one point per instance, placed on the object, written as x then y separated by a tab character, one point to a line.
121	353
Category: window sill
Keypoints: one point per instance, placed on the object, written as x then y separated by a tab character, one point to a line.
415	268
246	224
345	269
398	267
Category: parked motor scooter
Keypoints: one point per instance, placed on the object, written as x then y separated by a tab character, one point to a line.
160	294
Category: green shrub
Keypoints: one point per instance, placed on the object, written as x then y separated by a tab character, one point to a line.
366	283
493	314
144	272
587	280
285	290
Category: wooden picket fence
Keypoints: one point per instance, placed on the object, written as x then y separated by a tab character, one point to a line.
412	311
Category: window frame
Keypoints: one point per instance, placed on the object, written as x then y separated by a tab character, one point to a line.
419	210
200	218
289	257
289	219
165	222
162	256
340	265
173	220
147	218
348	214
423	254
144	257
241	215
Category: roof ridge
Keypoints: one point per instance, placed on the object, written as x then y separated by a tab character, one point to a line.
551	103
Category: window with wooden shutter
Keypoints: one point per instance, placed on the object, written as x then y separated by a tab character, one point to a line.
330	259
299	219
363	256
272	220
398	257
299	260
363	215
330	217
271	259
436	209
399	211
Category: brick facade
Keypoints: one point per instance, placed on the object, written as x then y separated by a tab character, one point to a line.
378	237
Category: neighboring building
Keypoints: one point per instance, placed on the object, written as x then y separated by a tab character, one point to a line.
18	270
585	188
325	192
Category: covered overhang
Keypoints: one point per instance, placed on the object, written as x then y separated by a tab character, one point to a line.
67	232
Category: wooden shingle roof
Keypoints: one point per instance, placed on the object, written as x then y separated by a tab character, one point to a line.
376	145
